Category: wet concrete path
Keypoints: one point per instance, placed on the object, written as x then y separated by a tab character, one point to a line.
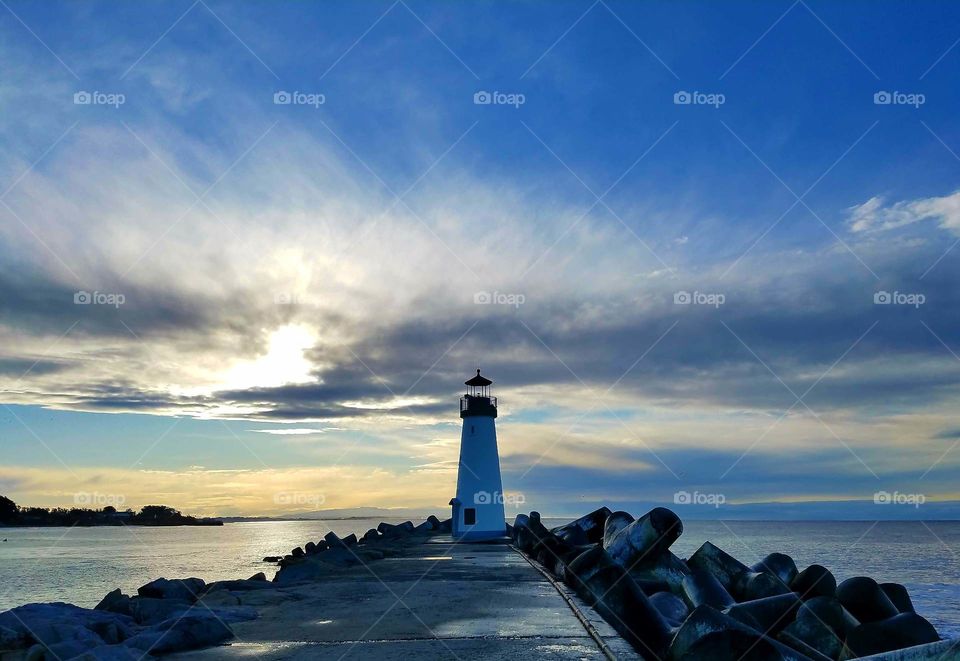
439	600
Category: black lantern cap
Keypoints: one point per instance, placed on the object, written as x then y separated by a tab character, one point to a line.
478	381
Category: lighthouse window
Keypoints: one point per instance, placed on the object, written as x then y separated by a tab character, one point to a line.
470	516
472	429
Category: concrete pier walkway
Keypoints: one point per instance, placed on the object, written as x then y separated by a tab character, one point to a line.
437	600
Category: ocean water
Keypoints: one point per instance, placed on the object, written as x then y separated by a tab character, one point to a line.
80	565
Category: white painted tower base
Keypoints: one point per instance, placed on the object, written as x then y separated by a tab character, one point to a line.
478	506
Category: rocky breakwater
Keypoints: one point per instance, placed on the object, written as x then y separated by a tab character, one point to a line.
174	615
314	560
711	606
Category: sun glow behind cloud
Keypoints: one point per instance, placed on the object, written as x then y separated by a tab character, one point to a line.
283	363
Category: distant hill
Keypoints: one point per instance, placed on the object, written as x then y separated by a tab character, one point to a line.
827	510
414	514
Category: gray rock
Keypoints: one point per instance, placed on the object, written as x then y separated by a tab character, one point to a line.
239	585
12	640
186	633
259	576
115	602
110	653
179	588
150	610
53	623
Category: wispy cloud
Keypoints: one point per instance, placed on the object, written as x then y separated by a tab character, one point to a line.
876	214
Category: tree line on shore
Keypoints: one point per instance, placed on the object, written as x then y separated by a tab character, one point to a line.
12	514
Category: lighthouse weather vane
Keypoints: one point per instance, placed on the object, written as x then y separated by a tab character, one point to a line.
478	506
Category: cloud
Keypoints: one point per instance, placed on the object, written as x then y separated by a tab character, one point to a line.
875	215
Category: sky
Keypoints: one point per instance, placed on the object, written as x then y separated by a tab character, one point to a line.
249	252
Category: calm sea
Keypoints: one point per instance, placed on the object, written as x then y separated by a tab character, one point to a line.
80	565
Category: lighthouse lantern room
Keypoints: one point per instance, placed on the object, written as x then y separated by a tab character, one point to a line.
478	505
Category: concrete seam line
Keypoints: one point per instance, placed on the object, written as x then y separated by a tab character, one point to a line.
590	629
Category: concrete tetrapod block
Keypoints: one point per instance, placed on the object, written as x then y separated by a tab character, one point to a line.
771	613
616	522
814	581
780	565
813	633
624	606
899	596
759	584
700	587
664	572
673	609
645	538
588	529
723	566
831	612
866	601
901	630
709	634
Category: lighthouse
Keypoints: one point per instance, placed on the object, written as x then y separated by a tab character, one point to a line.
478	505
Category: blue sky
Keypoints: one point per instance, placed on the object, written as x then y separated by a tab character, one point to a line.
782	200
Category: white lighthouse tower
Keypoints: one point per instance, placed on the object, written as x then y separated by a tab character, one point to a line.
478	506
